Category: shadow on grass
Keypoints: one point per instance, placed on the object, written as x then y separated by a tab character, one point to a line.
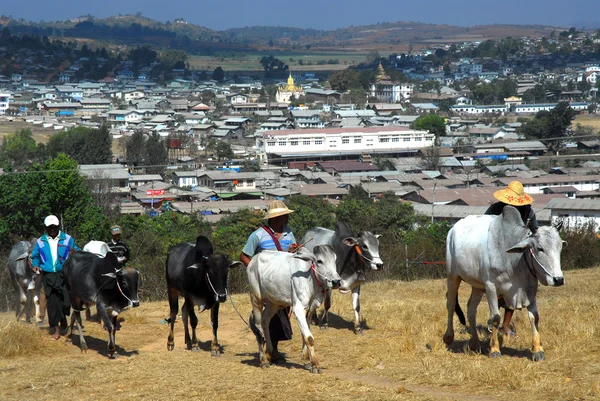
100	346
253	360
337	322
462	346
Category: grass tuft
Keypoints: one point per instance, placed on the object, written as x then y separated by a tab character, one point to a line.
19	339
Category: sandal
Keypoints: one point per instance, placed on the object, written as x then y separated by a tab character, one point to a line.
54	337
512	334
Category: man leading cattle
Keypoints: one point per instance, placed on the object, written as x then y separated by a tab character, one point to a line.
275	235
49	254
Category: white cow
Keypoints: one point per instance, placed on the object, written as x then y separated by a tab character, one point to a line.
286	279
498	256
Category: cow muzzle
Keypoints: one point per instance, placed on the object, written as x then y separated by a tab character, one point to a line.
221	297
135	303
558	281
335	284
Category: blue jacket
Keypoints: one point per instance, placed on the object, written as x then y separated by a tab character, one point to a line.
42	255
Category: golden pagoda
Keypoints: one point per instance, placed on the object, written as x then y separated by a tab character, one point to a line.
285	92
380	76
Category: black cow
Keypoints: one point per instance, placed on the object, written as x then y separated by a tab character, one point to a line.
200	277
28	285
91	280
355	256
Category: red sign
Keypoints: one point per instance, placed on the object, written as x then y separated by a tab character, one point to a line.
155	192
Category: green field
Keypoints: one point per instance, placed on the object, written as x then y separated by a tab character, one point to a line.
250	61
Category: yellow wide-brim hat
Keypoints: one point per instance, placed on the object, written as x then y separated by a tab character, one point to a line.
277	208
514	195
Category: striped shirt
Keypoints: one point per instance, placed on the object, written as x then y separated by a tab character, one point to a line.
260	240
120	249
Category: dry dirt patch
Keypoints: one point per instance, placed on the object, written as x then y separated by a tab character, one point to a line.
401	355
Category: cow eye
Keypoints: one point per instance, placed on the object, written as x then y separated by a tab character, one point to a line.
365	246
319	261
540	249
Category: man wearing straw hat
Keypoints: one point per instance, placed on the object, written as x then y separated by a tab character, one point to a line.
514	195
276	235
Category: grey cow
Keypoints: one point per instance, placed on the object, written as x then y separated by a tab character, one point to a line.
28	285
497	255
355	254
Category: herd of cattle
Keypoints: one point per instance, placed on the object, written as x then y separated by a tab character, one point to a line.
497	255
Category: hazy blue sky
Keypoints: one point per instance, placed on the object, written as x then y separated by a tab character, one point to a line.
320	14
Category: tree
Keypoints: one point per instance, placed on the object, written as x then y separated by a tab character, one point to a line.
85	145
134	149
218	74
432	123
19	148
155	154
273	66
346	79
223	150
553	126
358	97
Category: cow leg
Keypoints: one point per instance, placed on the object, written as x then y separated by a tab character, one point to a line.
257	328
76	317
108	324
308	341
20	298
193	324
324	321
492	298
356	306
173	308
185	313
267	314
215	348
451	295
474	300
40	301
28	302
536	343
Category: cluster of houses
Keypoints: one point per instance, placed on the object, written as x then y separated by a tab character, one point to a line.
459	187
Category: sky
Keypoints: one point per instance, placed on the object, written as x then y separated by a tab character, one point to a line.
320	14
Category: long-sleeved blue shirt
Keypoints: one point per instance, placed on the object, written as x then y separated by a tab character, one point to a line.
42	254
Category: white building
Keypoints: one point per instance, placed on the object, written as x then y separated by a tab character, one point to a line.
535	108
479	109
575	212
4	102
341	141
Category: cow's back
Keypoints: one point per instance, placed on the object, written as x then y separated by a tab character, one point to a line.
318	236
180	256
466	246
84	273
17	260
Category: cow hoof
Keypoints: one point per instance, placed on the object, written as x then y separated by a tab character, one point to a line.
113	356
359	332
314	369
324	327
495	354
195	349
170	346
265	365
448	338
538	356
215	353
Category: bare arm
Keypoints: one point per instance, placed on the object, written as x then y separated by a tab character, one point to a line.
245	259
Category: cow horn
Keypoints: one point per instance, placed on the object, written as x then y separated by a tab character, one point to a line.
194	266
559	225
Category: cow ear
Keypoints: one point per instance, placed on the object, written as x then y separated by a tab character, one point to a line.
559	224
235	264
350	241
377	236
194	266
565	243
520	247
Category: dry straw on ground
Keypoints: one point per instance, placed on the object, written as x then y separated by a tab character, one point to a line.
401	355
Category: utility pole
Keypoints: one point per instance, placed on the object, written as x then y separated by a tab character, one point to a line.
433	202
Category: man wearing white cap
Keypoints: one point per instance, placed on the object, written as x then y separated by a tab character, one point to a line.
276	235
48	257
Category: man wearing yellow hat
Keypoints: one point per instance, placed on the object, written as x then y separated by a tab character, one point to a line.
513	195
276	235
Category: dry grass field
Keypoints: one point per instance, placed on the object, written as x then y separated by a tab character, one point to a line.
588	120
401	355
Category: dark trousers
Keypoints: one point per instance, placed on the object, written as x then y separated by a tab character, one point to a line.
57	298
280	327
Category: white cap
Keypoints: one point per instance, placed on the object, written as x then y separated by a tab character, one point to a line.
51	220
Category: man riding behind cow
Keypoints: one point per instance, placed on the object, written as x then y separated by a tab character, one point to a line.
514	195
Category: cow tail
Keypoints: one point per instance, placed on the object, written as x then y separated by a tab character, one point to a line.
459	313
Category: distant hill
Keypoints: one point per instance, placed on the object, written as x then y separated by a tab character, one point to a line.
139	30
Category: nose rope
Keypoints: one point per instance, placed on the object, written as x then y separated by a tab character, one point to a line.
212	286
121	291
361	254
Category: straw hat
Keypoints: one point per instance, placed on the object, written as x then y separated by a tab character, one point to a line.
277	208
514	195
